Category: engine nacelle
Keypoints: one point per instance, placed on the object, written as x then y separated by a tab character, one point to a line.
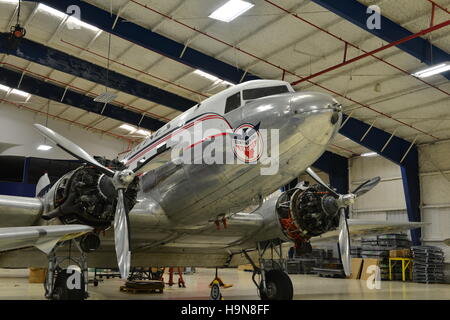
307	213
87	196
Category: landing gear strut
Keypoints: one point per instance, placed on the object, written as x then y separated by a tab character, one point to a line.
70	283
274	283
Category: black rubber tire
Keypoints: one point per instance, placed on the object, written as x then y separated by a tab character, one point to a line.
279	286
61	292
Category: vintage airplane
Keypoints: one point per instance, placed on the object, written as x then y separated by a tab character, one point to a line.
170	208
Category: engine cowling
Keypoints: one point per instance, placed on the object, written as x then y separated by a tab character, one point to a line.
87	196
305	213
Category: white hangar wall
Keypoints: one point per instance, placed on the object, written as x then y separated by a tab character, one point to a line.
18	136
435	193
387	201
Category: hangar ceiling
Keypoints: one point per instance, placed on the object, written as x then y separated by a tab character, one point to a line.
275	39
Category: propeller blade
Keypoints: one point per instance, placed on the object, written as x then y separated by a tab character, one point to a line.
344	243
313	175
121	237
366	186
71	148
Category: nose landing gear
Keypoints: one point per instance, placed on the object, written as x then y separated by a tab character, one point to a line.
274	283
70	283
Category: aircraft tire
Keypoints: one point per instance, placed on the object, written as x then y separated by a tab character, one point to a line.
279	286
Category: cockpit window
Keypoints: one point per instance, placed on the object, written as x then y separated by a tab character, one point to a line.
256	93
233	102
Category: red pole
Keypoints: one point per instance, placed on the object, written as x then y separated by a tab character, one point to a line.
345	51
433	13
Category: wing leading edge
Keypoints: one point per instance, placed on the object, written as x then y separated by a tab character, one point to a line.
360	228
42	237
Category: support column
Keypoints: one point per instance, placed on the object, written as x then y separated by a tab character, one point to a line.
411	188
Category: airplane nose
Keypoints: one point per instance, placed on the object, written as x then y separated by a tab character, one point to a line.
319	116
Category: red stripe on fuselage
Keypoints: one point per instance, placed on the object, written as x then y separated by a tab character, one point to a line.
189	125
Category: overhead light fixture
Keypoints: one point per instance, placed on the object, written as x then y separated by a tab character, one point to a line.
106	97
44	147
227	83
231	10
434	70
4	88
143	132
128	127
213	78
75	23
9	1
369	154
20	93
51	11
206	75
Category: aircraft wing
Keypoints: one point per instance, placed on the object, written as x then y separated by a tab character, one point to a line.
362	228
19	211
42	237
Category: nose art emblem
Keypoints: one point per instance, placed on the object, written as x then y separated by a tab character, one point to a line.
247	143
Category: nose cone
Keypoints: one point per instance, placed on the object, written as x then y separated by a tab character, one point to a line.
319	116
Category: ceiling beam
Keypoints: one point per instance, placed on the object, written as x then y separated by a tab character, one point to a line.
53	92
55	59
356	13
148	39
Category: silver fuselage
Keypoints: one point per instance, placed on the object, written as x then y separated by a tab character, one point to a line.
173	222
196	195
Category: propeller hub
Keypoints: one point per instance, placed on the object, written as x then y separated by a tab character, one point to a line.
346	199
123	178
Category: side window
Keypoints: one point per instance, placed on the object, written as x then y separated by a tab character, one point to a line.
233	102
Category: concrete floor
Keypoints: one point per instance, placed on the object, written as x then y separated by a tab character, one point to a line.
14	285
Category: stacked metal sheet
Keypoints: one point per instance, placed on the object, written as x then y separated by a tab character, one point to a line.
304	264
355	252
394	241
428	264
379	247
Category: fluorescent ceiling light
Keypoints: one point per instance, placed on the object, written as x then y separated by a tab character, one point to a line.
212	78
51	11
9	1
369	154
128	127
44	147
231	10
4	88
76	23
227	83
434	70
105	97
206	75
20	93
143	132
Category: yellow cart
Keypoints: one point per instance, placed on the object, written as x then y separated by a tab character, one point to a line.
406	263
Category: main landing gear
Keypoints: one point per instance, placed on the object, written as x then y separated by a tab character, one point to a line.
274	283
67	283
